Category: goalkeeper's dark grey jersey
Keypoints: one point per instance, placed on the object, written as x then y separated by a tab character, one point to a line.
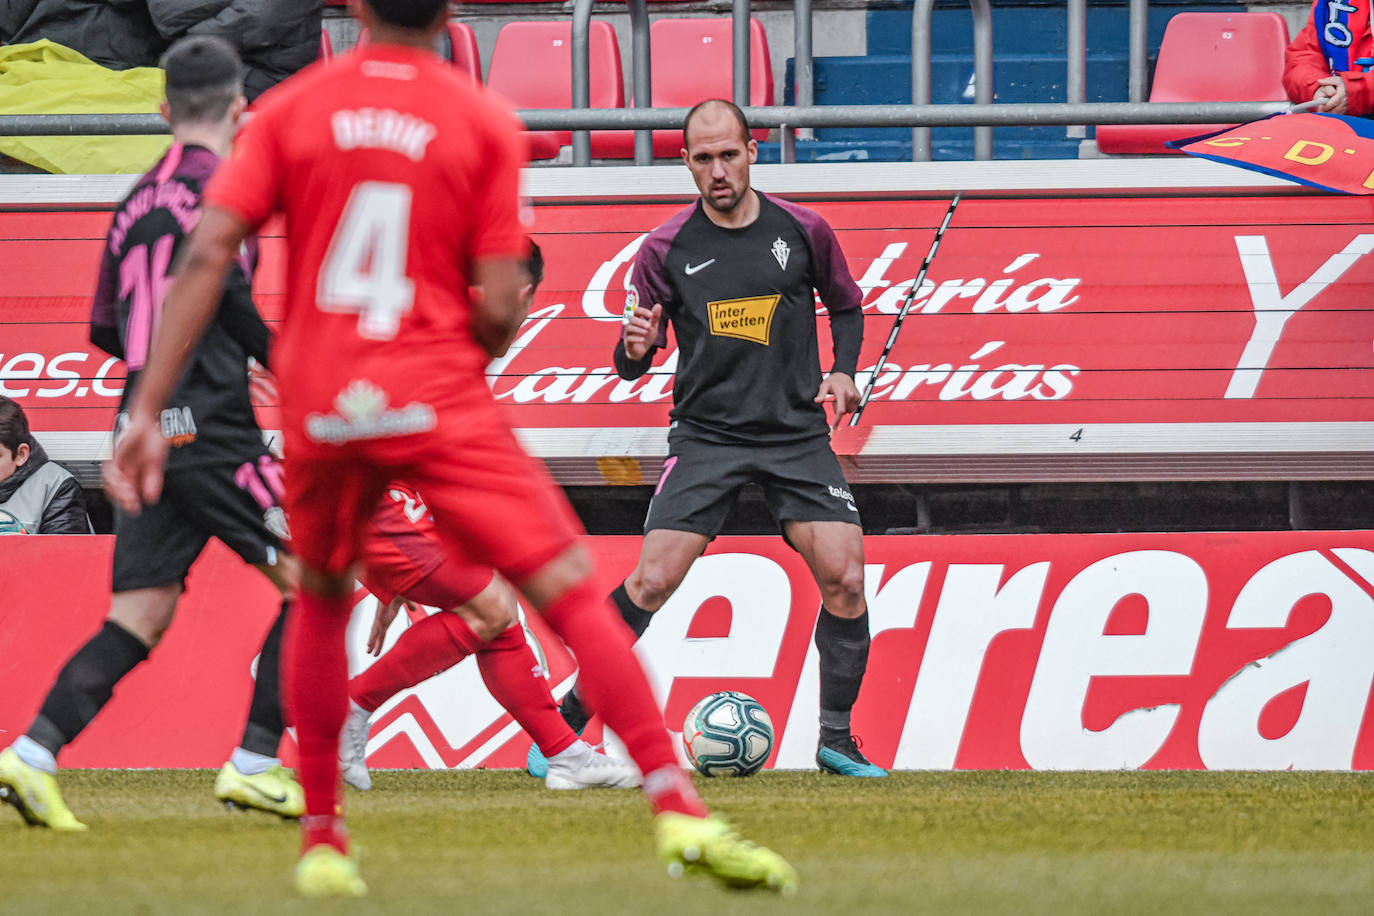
743	311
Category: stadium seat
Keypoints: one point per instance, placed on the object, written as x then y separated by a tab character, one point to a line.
462	50
531	67
326	46
1206	57
693	60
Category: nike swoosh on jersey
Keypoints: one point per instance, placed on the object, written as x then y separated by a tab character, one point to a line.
693	268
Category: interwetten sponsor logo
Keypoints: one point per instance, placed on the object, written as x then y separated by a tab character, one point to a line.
749	318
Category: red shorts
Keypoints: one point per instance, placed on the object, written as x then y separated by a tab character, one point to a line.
491	503
404	555
450	584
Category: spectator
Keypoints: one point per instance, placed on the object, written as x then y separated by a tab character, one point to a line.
114	33
275	38
41	494
1320	65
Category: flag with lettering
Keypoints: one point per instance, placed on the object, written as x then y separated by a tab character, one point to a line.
1327	151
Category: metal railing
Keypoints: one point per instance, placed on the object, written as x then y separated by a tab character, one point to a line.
920	115
1036	113
982	73
1075	82
1139	50
640	76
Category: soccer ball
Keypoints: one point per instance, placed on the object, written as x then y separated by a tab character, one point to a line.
728	734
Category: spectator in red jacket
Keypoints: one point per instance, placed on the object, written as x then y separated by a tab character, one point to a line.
1320	65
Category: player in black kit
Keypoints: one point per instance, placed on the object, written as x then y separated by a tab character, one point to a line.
221	479
735	273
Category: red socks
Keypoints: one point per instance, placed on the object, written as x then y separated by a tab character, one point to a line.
316	676
509	669
435	644
513	676
612	682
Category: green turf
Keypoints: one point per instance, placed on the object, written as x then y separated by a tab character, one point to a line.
498	842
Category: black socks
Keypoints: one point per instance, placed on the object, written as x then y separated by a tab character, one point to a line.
843	647
635	617
262	734
85	685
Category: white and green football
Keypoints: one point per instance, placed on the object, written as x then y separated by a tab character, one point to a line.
728	734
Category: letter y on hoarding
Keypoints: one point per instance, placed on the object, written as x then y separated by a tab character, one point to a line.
1273	309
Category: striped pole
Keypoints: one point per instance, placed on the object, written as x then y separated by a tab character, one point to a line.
906	307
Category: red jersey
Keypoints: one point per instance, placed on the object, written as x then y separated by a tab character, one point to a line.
394	174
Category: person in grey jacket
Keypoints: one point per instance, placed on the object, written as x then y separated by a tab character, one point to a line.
275	38
40	494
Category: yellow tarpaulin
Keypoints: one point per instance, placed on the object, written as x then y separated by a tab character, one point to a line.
47	78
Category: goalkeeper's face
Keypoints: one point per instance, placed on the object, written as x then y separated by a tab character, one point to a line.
719	156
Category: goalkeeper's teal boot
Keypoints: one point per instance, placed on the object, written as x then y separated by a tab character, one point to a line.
843	758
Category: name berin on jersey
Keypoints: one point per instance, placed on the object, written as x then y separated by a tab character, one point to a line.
382	128
363	414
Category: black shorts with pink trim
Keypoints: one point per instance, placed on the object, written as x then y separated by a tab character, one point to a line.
801	482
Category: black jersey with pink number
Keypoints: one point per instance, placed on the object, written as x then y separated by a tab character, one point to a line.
209	417
742	303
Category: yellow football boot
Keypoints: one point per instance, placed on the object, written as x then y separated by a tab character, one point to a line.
34	793
709	845
275	791
325	872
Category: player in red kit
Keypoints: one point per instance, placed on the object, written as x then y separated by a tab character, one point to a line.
398	181
405	560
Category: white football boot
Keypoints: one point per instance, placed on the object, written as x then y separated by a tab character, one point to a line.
353	748
583	767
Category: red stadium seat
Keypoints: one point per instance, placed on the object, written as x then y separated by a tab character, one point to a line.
694	60
326	46
1207	57
531	67
462	49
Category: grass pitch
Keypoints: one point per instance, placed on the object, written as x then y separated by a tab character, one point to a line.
498	842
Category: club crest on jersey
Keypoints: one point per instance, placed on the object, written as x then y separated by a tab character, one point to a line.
631	303
362	413
750	318
781	252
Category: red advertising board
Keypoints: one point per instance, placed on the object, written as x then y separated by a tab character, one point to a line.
1052	336
1188	651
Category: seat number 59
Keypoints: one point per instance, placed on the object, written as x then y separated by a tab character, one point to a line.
365	267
